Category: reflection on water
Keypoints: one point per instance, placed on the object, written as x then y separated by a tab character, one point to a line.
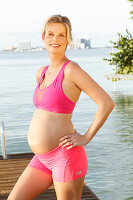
124	112
110	153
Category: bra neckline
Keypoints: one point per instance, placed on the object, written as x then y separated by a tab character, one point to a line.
41	79
54	79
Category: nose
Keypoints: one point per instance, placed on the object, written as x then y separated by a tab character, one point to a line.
55	37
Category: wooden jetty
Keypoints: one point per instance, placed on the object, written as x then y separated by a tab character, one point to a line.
11	169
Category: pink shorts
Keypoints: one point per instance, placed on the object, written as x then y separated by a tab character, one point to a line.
64	165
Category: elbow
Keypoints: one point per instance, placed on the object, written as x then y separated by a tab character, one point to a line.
108	105
112	106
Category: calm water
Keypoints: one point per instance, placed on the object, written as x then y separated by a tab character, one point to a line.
110	153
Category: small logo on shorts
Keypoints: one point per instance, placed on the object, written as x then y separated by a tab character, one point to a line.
78	172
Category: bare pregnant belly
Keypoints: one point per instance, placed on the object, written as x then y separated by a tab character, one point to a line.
46	129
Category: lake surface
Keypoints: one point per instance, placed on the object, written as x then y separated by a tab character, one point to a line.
110	153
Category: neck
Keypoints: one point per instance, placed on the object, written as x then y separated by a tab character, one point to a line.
57	60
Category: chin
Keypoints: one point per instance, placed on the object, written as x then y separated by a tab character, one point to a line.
54	51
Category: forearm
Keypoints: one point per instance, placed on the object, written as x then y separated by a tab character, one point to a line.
101	116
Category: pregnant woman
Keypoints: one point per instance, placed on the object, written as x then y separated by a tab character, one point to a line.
60	158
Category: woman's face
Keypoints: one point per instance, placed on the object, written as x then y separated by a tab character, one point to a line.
55	38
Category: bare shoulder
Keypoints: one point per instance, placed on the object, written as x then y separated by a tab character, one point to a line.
71	66
86	83
74	68
39	72
74	72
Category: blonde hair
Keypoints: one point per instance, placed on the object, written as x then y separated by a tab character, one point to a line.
59	19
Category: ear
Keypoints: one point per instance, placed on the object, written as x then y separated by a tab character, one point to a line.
43	37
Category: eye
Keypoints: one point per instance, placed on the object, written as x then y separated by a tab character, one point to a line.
62	35
50	34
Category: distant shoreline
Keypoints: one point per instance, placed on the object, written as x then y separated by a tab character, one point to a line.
31	50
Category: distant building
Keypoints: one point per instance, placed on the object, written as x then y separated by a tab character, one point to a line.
86	42
83	43
10	48
24	45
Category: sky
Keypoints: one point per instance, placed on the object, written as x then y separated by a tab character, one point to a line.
99	20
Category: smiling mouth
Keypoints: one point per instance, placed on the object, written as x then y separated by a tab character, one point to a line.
55	45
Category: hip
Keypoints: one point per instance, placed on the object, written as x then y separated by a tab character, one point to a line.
64	165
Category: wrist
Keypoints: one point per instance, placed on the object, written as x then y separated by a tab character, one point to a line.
87	137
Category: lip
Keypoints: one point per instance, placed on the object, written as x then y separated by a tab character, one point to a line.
55	44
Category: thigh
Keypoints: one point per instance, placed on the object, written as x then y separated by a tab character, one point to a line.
68	180
71	190
30	184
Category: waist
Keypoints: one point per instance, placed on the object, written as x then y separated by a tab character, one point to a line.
46	115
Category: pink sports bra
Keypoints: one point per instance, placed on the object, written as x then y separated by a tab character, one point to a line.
52	98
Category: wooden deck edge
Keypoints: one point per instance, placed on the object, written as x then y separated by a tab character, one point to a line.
18	156
91	191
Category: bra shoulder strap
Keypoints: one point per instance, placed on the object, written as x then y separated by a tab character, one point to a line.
42	74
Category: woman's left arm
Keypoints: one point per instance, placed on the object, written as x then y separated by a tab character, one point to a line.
97	94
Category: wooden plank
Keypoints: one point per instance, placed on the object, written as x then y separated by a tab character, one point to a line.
11	169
